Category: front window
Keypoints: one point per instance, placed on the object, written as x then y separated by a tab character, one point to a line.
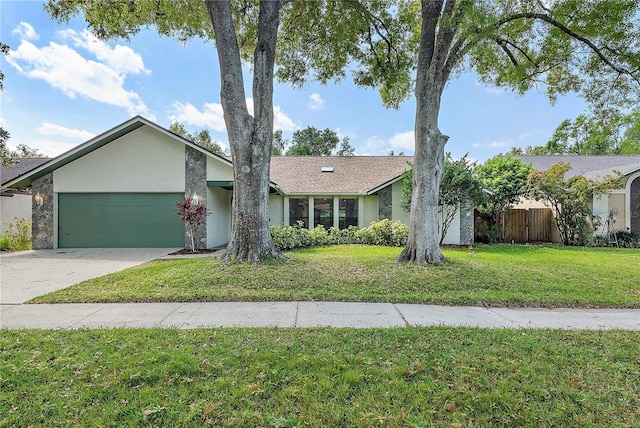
348	213
299	212
323	212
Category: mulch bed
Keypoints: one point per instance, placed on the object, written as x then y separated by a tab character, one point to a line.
184	252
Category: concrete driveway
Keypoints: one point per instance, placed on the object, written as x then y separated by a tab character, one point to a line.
27	274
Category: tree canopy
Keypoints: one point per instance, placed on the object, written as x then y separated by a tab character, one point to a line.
604	133
312	141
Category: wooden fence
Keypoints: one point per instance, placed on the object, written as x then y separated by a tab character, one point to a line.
530	225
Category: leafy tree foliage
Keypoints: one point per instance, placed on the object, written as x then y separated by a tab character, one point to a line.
605	133
201	138
506	178
314	142
459	187
570	198
5	155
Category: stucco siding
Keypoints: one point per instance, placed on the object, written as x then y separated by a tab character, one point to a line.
397	212
218	171
17	206
369	210
453	233
144	160
617	204
219	222
276	209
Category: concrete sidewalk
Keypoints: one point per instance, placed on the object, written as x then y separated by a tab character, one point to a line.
305	314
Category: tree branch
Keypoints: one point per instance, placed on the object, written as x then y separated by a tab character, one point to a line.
553	22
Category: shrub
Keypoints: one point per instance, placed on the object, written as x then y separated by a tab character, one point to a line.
18	237
290	237
625	240
384	232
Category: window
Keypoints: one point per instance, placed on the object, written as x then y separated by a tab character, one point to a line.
348	213
299	211
323	212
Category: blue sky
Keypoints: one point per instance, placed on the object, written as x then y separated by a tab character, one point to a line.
63	86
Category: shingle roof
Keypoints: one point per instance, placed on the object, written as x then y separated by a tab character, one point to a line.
589	166
20	167
351	174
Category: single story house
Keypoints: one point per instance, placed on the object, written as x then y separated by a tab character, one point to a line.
120	188
15	203
623	204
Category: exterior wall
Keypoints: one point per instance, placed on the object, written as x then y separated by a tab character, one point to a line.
397	212
617	204
453	234
217	170
17	206
276	209
601	210
144	160
369	211
219	222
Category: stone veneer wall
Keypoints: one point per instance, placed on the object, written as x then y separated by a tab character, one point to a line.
467	229
42	228
195	170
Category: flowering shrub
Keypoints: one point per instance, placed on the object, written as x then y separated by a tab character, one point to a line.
192	213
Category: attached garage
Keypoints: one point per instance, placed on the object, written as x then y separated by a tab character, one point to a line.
119	220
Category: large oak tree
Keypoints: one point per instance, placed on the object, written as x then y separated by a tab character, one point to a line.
590	47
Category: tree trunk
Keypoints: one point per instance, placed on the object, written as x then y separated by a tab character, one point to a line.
250	138
423	245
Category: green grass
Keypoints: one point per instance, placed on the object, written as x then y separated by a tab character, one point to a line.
533	276
320	377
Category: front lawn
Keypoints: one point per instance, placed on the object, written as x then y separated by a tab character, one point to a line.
320	377
502	275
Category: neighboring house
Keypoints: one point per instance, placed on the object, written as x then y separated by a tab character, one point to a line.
120	189
622	204
15	203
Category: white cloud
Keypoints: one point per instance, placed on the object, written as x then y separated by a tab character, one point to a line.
402	142
51	129
67	70
316	102
495	144
210	117
121	58
25	31
280	119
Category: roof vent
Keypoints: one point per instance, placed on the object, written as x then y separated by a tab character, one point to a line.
326	169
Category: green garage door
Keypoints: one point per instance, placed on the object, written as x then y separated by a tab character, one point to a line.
119	220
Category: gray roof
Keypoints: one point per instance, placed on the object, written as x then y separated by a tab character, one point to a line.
349	175
21	166
588	166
